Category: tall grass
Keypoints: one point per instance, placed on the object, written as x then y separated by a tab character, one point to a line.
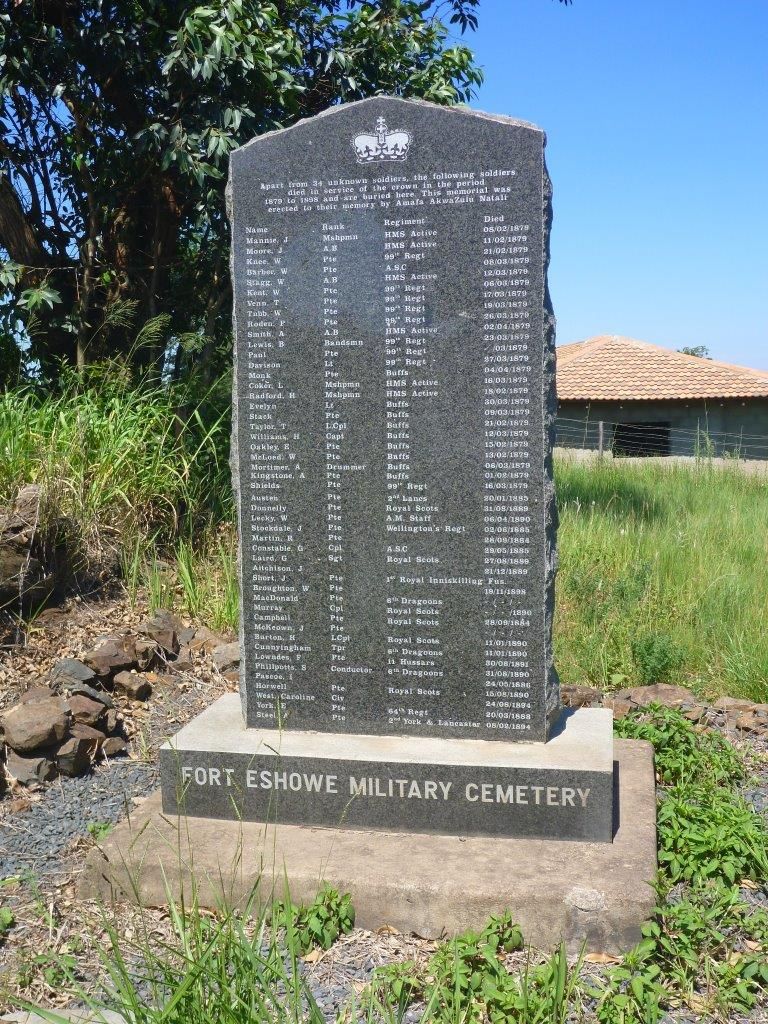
198	574
663	575
663	566
212	968
118	462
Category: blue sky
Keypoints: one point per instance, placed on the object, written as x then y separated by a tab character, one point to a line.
656	113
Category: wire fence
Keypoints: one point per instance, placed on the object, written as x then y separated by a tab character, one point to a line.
644	439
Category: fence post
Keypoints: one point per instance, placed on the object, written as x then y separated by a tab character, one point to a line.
600	438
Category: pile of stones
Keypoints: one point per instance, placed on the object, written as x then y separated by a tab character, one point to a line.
69	719
731	714
32	560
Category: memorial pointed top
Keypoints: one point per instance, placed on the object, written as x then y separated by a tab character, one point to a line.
376	144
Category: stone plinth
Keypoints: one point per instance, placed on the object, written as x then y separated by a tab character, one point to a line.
217	768
598	893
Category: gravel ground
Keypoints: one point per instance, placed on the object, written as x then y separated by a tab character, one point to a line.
42	831
42	839
35	840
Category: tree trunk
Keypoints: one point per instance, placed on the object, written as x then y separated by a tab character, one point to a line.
17	235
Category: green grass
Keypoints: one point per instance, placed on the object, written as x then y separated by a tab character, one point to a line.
663	576
663	567
703	949
121	465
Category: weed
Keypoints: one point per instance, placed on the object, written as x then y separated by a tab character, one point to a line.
672	554
330	915
99	830
214	967
656	656
7	921
466	980
397	983
681	753
704	831
705	950
113	464
55	970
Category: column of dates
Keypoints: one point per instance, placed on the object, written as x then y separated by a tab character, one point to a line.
507	472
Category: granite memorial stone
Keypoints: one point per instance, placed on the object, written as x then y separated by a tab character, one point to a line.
394	404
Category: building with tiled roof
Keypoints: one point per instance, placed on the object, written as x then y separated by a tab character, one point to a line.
633	398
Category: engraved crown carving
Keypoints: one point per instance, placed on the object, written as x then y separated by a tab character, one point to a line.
385	145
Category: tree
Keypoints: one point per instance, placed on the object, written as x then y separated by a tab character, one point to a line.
117	120
695	350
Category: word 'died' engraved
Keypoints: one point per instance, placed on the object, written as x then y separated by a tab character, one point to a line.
384	145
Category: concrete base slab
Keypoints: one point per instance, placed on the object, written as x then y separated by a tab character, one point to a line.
215	767
426	884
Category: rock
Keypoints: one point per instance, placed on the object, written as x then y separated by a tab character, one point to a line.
758	798
733	704
133	685
657	693
95	737
147	653
86	711
185	661
115	654
749	723
36	724
26	578
186	635
22	577
620	707
205	640
226	657
28	770
83	689
114	745
580	696
163	627
112	720
26	507
696	713
52	618
36	693
69	670
167	679
74	756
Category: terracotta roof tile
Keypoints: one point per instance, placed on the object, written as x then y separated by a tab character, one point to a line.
610	368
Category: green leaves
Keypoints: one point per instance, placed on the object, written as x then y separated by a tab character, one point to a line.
41	295
682	754
10	274
320	924
705	832
7	921
705	949
123	119
99	830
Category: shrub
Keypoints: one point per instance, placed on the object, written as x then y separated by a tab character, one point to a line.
682	754
656	656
